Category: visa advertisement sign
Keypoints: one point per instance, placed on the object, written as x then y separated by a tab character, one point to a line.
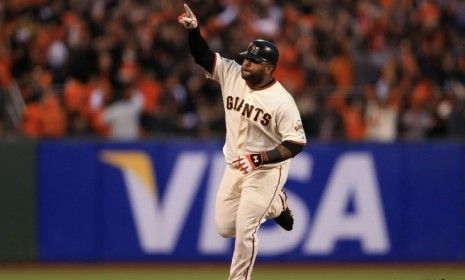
155	201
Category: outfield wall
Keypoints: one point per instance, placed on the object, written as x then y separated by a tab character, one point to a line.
153	201
17	201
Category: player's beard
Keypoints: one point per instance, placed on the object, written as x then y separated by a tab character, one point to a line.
253	78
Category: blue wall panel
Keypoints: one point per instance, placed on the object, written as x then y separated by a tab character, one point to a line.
68	201
435	193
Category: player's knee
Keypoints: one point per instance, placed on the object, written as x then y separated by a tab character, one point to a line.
225	226
225	230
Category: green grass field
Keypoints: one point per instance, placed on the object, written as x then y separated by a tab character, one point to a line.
219	272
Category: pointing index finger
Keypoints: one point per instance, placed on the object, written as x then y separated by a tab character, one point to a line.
188	10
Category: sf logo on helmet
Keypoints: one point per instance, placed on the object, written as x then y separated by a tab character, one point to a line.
253	49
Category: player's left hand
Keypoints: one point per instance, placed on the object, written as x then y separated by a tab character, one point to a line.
247	163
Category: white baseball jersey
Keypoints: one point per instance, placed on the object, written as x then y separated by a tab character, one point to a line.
256	120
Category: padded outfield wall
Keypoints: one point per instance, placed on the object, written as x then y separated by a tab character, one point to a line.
17	200
153	201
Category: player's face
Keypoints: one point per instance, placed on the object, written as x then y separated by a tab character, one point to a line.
255	71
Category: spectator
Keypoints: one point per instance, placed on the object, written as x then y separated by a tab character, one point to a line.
151	91
52	119
456	117
341	67
76	94
31	117
352	112
328	123
381	118
123	115
5	67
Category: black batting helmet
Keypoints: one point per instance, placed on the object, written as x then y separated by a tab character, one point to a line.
261	50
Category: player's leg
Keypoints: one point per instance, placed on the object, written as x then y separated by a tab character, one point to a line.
227	202
279	203
285	218
258	194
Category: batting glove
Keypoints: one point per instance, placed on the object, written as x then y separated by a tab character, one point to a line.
247	163
188	19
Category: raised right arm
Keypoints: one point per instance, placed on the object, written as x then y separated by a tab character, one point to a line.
200	50
197	44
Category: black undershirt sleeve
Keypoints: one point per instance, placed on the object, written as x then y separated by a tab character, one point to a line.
293	147
200	50
285	150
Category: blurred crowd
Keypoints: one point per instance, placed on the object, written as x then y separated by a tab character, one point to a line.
374	70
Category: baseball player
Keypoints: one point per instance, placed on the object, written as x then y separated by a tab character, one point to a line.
263	131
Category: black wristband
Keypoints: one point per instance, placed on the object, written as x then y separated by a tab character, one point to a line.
272	156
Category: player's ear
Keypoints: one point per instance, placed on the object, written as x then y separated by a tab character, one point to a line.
270	68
